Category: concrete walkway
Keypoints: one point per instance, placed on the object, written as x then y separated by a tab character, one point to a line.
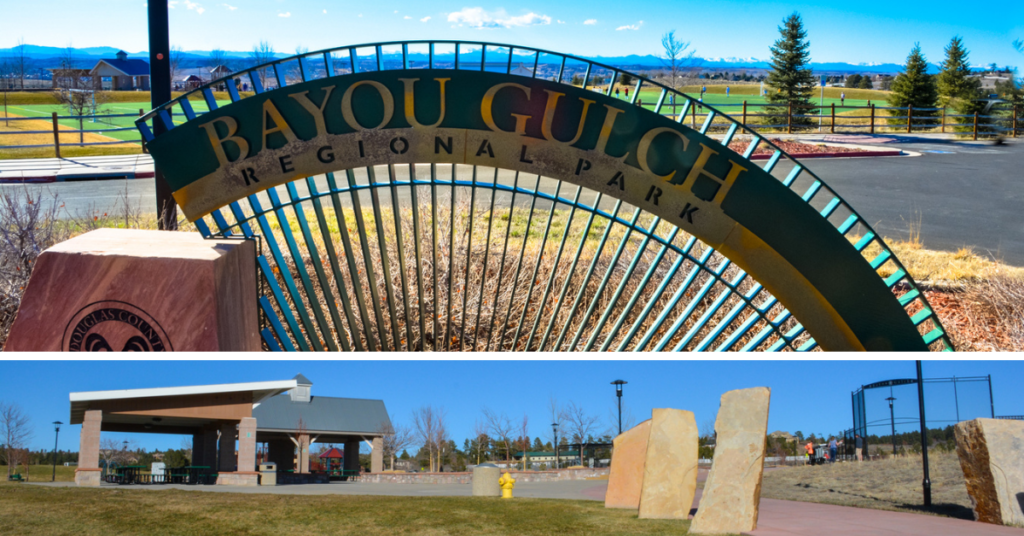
132	166
777	518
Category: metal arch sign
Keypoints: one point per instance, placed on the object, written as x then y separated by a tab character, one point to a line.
550	129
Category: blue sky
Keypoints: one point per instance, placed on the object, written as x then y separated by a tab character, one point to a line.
810	396
872	31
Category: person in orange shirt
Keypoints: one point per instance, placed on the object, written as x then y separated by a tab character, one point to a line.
809	447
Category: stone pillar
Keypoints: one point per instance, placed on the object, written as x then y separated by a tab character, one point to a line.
247	445
281	452
209	439
88	471
226	456
197	447
377	456
626	476
670	465
303	454
352	454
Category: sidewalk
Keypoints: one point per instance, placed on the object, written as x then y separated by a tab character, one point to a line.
36	170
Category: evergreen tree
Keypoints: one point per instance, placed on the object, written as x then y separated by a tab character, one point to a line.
852	80
957	88
865	83
791	83
914	87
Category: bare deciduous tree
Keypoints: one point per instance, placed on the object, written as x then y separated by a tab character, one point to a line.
217	58
424	421
581	425
707	426
676	58
394	440
262	53
174	60
74	90
524	438
14	432
21	61
441	438
480	430
500	427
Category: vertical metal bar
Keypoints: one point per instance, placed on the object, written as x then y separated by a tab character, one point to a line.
300	267
420	298
536	61
590	271
385	261
604	280
353	268
469	262
561	71
483	57
926	483
457	47
353	58
536	266
405	55
400	244
435	312
519	266
572	268
640	250
314	258
487	252
558	258
508	68
332	256
430	56
501	263
451	257
380	58
328	65
364	244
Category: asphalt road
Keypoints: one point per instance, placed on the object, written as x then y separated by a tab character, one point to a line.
955	194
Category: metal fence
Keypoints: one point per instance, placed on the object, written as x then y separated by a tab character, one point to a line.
57	131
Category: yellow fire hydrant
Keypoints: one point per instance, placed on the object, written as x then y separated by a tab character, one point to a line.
507	483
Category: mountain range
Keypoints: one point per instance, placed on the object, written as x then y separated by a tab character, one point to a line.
633	60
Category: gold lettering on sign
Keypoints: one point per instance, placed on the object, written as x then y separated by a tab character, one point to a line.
549	117
606	131
385	96
316	111
487	111
218	143
410	110
280	125
645	146
698	170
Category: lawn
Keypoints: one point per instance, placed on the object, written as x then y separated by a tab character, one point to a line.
890	484
27	509
42	473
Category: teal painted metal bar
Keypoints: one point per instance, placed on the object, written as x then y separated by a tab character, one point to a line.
501	263
364	246
558	258
519	266
536	267
487	252
400	245
385	260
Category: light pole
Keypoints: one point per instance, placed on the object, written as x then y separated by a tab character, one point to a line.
618	393
892	419
56	433
554	428
926	483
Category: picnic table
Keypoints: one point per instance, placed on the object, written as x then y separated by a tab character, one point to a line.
129	474
192	474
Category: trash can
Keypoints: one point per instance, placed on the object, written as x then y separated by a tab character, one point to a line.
268	474
485	480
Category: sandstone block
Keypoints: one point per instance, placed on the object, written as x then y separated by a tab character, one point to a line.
670	467
626	477
732	492
991	455
132	290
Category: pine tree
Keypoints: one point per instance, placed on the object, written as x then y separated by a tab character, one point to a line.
957	88
865	83
914	87
790	82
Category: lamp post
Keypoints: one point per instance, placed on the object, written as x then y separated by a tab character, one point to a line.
926	483
56	433
554	428
160	93
618	393
892	419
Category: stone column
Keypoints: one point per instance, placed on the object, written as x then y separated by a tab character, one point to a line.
303	453
197	447
247	445
352	454
226	458
88	471
209	439
377	456
281	452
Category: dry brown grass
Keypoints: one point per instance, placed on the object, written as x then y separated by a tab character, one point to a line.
9	139
888	484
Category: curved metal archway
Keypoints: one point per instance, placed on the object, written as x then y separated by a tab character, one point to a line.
553	250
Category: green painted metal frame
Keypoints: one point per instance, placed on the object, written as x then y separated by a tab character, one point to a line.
775	331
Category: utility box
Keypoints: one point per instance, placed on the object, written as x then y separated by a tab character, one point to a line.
268	474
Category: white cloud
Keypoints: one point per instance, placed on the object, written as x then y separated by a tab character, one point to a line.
561	22
194	6
285	15
476	17
325	12
631	26
229	7
171	5
425	19
407	17
396	11
590	22
360	15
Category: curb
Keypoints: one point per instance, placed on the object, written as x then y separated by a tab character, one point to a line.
46	179
850	154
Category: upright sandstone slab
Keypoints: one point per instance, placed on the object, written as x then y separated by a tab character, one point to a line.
991	455
626	477
133	290
732	493
670	467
